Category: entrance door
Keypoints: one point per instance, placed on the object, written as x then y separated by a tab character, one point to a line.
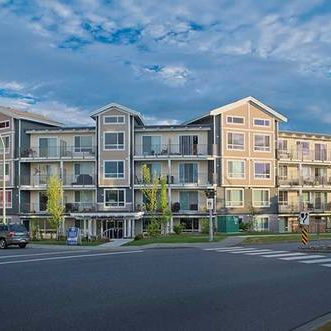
113	229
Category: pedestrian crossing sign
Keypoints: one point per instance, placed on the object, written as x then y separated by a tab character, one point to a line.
304	218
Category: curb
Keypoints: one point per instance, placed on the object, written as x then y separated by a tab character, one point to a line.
315	324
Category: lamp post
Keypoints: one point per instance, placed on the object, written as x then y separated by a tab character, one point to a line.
4	180
210	206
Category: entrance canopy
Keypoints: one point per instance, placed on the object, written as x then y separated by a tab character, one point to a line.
136	216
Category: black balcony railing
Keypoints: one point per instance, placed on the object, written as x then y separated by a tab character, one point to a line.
70	180
313	155
171	150
56	152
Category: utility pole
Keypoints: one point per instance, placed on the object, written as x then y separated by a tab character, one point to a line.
4	181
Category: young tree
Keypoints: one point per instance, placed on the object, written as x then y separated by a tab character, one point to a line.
164	206
55	202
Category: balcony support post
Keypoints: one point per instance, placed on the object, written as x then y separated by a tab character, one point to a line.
133	228
124	228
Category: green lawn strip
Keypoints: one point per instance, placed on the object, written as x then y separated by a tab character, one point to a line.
275	238
63	242
175	239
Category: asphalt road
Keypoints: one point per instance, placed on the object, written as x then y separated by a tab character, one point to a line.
164	289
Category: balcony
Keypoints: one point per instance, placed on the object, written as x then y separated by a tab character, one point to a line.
63	152
178	207
314	155
304	181
196	180
171	150
71	180
285	207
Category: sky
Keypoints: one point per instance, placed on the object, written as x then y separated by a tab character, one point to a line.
169	60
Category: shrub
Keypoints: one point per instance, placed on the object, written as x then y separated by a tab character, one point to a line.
205	226
139	236
153	229
178	228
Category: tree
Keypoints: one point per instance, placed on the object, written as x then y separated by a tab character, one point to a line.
150	189
164	206
55	202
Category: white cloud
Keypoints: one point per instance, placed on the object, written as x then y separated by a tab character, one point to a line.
14	86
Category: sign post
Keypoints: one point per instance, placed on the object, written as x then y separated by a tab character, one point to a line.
210	207
304	222
73	236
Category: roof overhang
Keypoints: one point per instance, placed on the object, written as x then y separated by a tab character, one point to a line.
135	215
130	111
240	102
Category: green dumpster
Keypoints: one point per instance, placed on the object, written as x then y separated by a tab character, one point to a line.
227	223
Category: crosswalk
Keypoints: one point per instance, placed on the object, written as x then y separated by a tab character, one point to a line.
291	256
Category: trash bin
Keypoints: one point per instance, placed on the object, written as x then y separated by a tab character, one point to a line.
227	223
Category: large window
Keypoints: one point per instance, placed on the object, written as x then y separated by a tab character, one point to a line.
320	152
189	200
114	198
114	140
282	145
261	223
114	169
84	197
261	198
48	147
234	198
151	145
236	169
235	120
6	171
236	141
188	145
6	142
4	125
283	171
261	122
262	142
114	119
262	170
83	144
188	172
8	199
283	198
303	148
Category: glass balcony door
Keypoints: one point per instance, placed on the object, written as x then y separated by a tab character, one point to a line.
151	145
188	173
188	200
188	145
48	147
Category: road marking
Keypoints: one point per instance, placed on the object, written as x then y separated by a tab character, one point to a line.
284	254
243	251
234	250
317	261
37	254
69	257
306	257
222	248
260	251
271	252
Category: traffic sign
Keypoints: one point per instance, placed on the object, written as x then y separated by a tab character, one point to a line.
304	218
210	204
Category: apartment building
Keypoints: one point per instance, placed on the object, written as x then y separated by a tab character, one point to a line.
259	173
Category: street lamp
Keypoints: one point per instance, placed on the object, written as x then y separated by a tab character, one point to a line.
210	206
4	180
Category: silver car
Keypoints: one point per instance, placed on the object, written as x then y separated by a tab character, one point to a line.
13	234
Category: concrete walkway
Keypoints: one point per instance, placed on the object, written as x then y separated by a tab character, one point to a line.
115	243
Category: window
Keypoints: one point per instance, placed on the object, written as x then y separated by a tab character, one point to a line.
6	171
261	122
188	173
234	198
114	169
151	145
188	145
84	197
4	125
261	143
188	200
303	148
236	169
114	198
8	199
262	170
6	142
320	152
48	147
114	140
235	120
83	144
283	198
84	168
236	141
261	223
283	170
114	119
282	145
261	198
154	169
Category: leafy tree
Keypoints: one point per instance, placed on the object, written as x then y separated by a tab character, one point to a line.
55	202
164	205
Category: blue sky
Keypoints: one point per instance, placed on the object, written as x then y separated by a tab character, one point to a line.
170	60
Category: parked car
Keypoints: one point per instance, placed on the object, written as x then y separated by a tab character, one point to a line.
13	234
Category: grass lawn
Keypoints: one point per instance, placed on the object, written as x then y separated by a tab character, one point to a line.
64	242
280	238
175	238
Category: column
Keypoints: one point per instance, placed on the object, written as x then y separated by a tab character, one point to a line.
129	228
84	227
133	228
124	229
101	229
171	224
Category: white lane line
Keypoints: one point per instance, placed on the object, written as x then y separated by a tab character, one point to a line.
326	265
259	252
221	248
271	252
317	261
38	254
306	257
284	254
243	251
234	250
69	257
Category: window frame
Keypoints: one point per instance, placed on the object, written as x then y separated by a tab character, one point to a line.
235	149
261	205
8	206
262	150
262	178
6	126
228	172
234	116
118	203
112	178
226	198
261	125
117	144
113	116
79	149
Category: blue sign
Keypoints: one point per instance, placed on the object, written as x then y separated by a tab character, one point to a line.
73	236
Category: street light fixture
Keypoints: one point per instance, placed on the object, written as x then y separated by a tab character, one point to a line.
4	180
